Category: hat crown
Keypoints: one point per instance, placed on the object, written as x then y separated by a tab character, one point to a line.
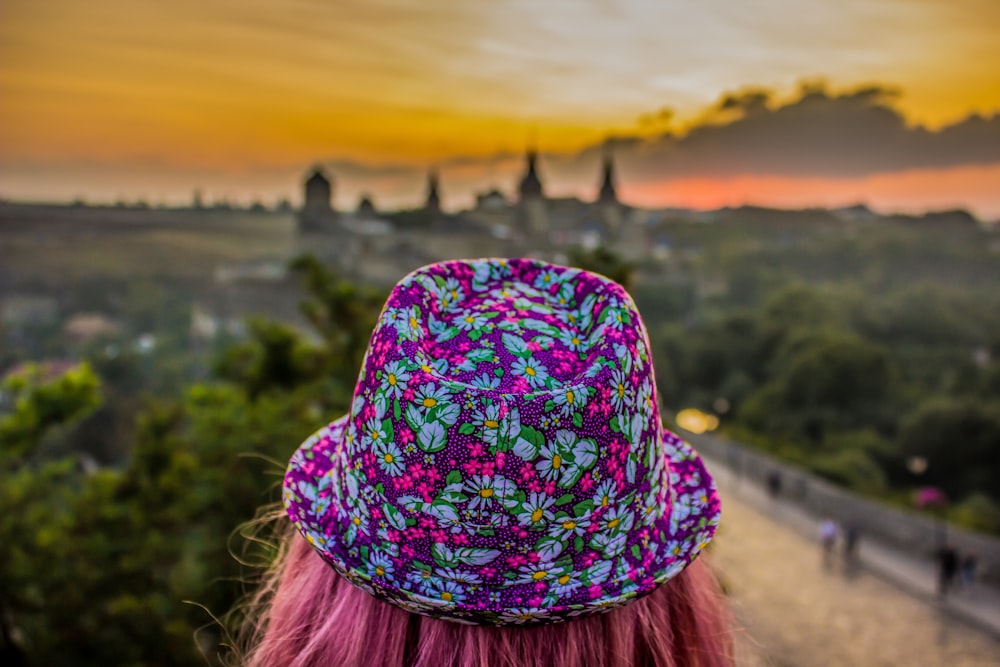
488	366
503	459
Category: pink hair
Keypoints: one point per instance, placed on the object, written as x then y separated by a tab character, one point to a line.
312	617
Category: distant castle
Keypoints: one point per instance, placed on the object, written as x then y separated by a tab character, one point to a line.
534	224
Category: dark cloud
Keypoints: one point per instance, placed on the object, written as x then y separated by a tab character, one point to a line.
820	134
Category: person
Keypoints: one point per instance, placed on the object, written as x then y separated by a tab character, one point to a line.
828	539
969	566
774	484
501	492
852	535
947	568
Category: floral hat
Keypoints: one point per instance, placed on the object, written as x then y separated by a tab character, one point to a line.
504	461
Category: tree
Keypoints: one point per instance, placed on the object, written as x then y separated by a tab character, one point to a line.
42	490
826	384
958	437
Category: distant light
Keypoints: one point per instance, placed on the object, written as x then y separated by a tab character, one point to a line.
929	496
146	343
917	465
696	421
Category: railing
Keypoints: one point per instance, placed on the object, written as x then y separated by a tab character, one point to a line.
914	534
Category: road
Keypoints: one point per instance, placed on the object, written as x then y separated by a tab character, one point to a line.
792	611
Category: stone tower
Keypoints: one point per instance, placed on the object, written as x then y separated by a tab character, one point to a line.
433	203
532	211
317	212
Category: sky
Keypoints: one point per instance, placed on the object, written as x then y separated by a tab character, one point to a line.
895	103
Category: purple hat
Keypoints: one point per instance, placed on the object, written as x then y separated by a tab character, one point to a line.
503	460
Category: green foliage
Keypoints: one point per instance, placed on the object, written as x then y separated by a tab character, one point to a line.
844	353
41	406
958	437
977	512
273	358
605	262
103	562
852	468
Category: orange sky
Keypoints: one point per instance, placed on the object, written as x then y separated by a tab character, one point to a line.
151	98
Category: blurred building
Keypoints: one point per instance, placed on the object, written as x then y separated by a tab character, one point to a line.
370	245
317	214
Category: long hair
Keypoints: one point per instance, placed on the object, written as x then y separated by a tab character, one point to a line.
306	615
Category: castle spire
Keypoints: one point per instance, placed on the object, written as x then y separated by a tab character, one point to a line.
531	185
433	203
607	193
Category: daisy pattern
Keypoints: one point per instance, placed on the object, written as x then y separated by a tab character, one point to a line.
605	494
458	576
430	396
564	297
566	459
626	356
484	273
389	458
380	566
408	324
535	512
373	433
570	317
621	390
531	370
618	519
509	292
546	279
394	379
424	579
446	592
568	527
503	460
486	382
469	320
566	583
532	573
680	511
488	419
486	490
570	399
609	544
645	394
450	294
615	315
573	340
357	523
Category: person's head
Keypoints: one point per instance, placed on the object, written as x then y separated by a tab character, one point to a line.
503	464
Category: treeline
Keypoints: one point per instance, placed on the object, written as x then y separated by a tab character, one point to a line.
131	564
870	358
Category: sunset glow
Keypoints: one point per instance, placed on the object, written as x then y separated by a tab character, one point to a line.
908	191
116	99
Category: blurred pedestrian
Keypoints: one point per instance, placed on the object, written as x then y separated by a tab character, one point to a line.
828	539
969	566
852	534
774	483
947	568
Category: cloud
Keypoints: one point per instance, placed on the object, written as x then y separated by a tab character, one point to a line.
818	134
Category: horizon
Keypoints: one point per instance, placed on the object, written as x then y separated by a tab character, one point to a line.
895	106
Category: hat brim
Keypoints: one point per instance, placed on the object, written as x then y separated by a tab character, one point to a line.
314	485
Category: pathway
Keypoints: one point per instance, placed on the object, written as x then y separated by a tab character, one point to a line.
795	612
